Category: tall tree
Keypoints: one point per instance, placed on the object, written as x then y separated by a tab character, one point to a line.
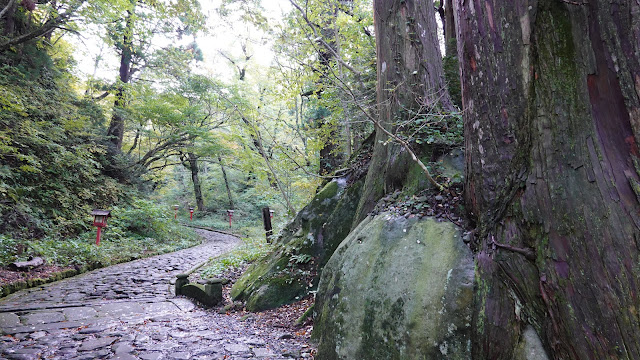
190	161
134	37
410	79
116	126
552	115
226	182
327	52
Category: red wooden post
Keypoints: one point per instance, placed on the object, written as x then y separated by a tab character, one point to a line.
175	207
230	213
98	236
191	214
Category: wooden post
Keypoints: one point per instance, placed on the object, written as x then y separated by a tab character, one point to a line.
266	219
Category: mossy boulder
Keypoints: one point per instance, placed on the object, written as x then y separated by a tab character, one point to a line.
291	270
397	288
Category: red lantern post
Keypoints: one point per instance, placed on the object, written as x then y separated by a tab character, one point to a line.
191	214
175	207
100	221
230	214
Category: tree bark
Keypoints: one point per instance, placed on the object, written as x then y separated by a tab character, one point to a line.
449	26
9	13
410	78
116	127
226	182
552	113
331	154
197	187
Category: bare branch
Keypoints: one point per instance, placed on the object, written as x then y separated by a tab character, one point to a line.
48	26
6	8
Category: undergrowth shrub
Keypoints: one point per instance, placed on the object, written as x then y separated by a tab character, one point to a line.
252	248
135	231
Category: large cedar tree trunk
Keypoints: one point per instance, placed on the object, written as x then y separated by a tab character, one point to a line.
410	77
116	126
552	114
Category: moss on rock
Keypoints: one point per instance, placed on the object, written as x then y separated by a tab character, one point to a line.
290	271
396	289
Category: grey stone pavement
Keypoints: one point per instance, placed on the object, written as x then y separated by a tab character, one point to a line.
128	311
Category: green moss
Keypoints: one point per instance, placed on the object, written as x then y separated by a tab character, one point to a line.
370	307
330	190
383	340
275	291
451	73
283	275
415	180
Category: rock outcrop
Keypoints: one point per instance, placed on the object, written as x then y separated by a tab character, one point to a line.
397	288
291	270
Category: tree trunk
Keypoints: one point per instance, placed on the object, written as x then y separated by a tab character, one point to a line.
226	183
9	18
552	111
197	188
449	26
116	127
331	154
410	78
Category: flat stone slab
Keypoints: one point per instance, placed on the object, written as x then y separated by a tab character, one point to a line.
41	327
122	348
43	318
161	307
183	304
124	357
150	356
130	320
80	313
180	355
8	320
263	352
237	348
94	329
118	309
94	344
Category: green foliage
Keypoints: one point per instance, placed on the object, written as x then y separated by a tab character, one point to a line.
10	249
51	154
332	80
300	258
252	248
135	231
82	251
447	129
143	219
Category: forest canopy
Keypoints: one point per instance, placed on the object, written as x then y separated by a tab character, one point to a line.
232	106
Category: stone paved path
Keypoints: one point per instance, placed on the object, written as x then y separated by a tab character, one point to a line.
128	311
